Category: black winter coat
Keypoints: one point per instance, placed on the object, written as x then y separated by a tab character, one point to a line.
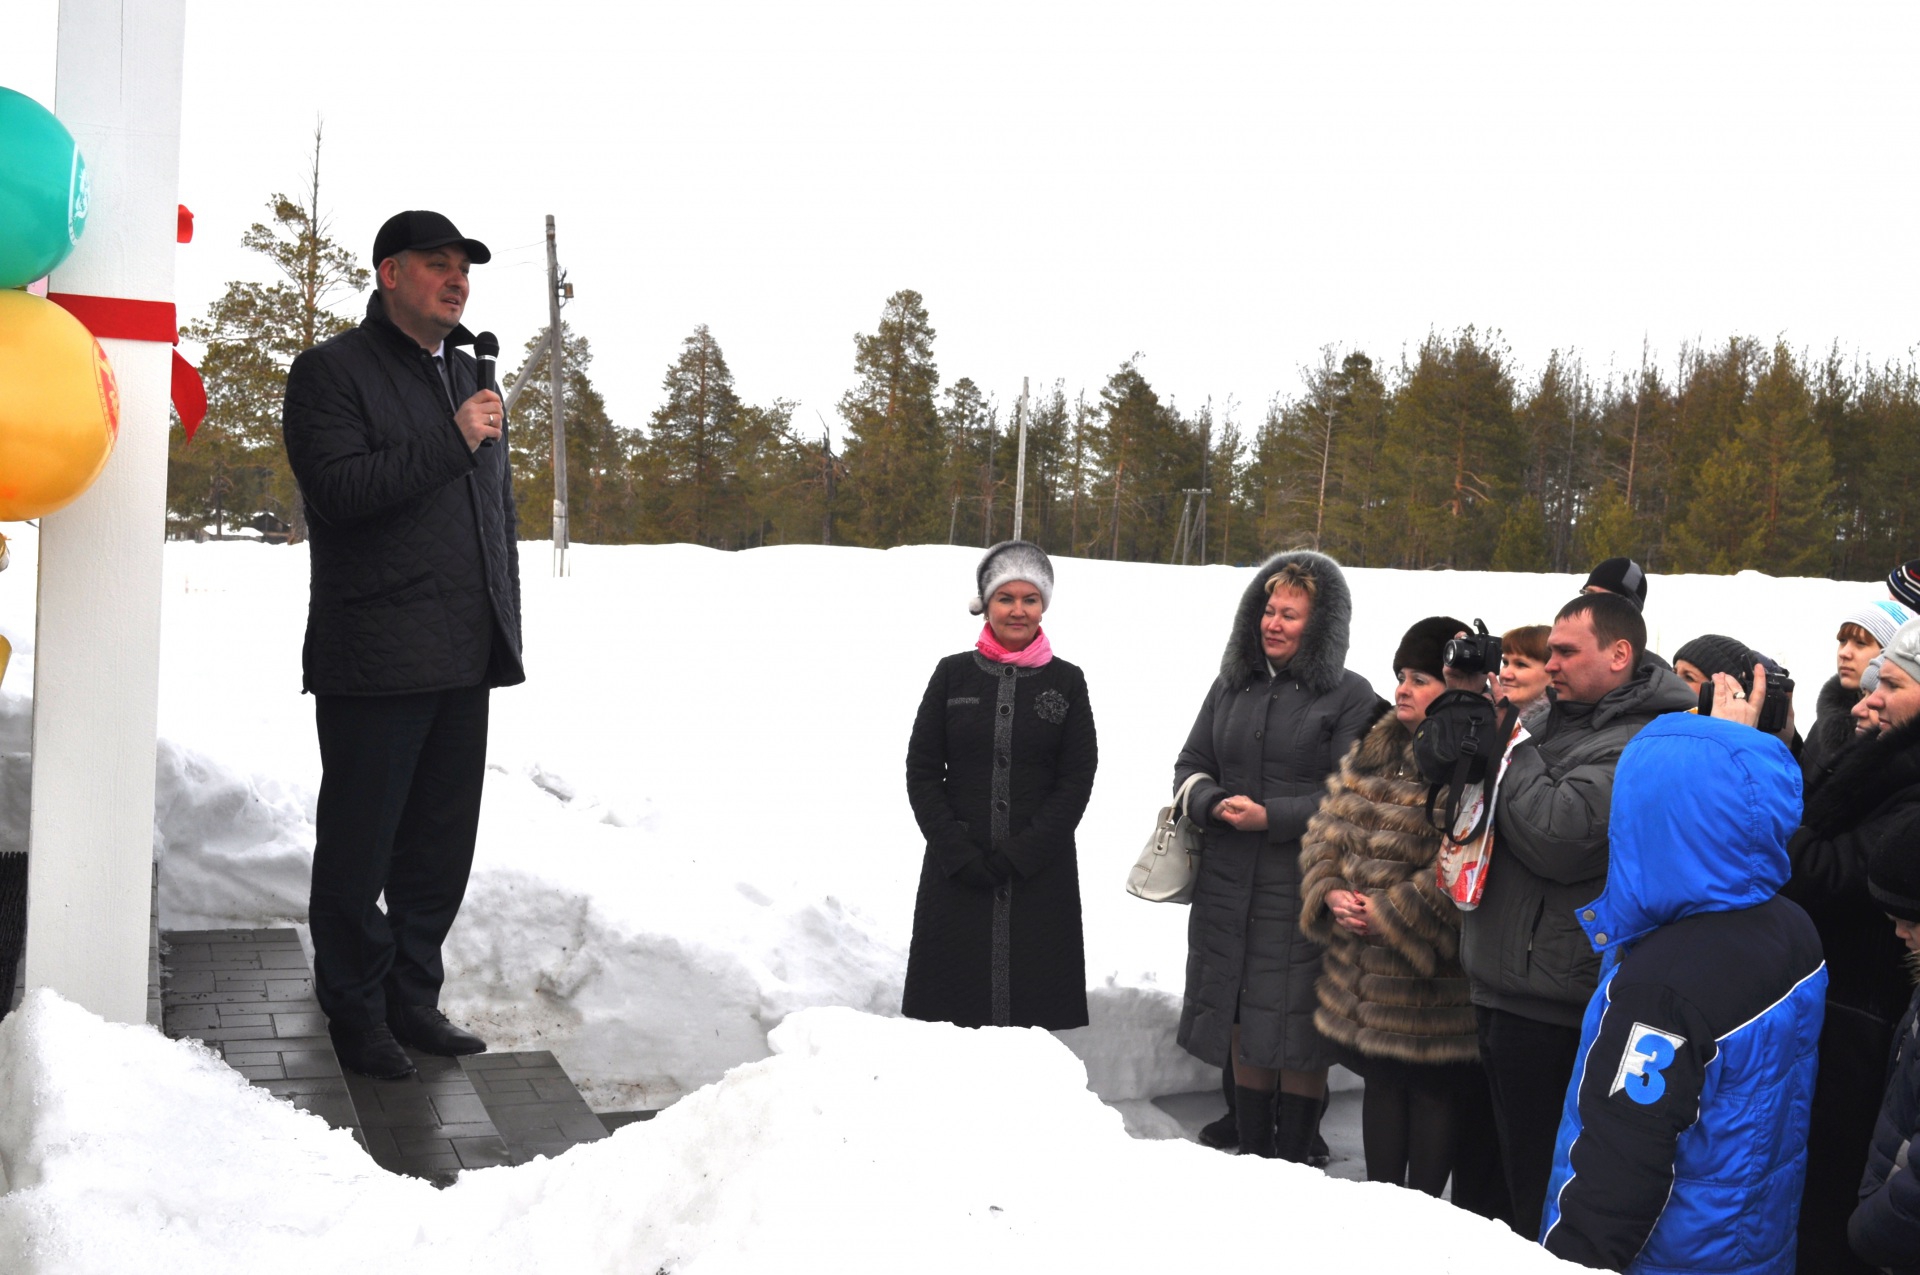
1275	737
1831	732
999	770
1869	803
415	563
1885	1229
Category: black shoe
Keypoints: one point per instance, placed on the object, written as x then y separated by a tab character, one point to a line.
370	1051
427	1030
1223	1134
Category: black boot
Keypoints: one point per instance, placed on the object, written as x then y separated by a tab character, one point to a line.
1319	1154
13	923
1253	1111
1297	1124
1224	1133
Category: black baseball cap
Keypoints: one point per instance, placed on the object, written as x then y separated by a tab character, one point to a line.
421	229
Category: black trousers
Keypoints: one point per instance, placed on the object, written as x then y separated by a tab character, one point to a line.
399	808
1529	1065
1854	1048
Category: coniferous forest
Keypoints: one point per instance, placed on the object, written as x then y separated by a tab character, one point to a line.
1713	458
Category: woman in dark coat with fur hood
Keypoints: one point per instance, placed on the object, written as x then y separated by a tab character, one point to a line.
999	769
1393	997
1276	722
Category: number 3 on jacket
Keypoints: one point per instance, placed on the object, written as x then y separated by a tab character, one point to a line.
1649	1052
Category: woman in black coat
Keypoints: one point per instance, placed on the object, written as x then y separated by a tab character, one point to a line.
999	770
1868	807
1274	725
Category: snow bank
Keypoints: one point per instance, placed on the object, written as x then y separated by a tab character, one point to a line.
695	819
864	1144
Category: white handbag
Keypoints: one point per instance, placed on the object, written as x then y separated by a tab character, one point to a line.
1171	858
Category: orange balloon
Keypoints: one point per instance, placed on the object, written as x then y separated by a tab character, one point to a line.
59	407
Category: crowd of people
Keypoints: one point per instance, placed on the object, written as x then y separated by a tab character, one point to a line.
1673	1027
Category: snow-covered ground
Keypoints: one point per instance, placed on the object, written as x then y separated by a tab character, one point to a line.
864	1144
695	819
697	861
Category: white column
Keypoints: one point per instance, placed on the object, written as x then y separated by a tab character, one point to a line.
97	648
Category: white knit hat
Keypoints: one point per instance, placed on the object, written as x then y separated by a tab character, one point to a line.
1904	649
1012	560
1880	619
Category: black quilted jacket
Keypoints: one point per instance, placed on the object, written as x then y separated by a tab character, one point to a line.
416	570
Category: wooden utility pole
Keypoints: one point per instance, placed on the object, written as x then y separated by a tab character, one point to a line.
1020	465
1192	525
555	365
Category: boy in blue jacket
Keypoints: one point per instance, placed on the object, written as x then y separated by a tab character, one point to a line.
1682	1145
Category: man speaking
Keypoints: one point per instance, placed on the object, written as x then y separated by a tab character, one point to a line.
413	615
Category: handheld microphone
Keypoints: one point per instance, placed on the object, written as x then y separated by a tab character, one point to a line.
486	351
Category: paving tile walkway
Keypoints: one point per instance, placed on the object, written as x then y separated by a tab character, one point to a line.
248	996
428	1125
533	1103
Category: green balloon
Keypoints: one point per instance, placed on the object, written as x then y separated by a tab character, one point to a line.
43	190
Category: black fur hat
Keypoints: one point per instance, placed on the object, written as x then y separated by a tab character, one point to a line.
1425	645
1323	647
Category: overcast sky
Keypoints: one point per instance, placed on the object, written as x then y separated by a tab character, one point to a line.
1222	188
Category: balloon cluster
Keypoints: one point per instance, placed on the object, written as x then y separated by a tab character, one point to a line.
60	408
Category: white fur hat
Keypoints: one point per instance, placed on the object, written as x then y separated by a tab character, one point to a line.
1012	560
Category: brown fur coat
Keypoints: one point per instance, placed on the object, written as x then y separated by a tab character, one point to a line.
1398	992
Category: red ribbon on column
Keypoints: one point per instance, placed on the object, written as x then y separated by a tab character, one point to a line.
120	319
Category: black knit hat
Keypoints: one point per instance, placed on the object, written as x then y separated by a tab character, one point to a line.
1716	653
1425	643
1904	583
1893	878
1623	576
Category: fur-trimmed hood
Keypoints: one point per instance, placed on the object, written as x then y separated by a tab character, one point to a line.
1323	647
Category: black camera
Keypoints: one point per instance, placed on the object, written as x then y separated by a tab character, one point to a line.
1474	654
1779	701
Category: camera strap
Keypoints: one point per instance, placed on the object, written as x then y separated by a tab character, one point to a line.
1463	778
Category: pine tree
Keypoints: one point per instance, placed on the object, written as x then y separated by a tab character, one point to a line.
606	491
894	449
251	335
694	439
1759	498
1607	528
966	423
1454	453
1138	445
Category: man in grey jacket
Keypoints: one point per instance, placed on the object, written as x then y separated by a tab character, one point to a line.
1529	962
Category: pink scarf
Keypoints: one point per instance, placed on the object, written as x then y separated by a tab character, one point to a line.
1037	652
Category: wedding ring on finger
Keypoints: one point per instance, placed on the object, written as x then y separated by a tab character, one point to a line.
1739	694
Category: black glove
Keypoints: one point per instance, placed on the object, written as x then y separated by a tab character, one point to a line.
984	871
